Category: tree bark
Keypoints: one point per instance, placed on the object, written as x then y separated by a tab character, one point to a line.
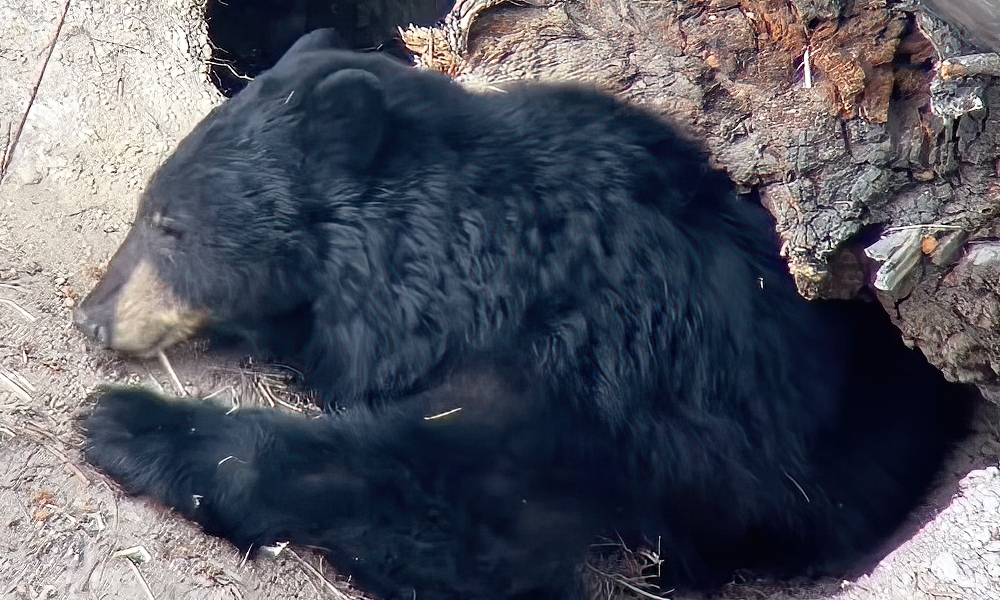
834	111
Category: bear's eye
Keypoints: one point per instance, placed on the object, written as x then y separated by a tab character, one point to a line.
165	224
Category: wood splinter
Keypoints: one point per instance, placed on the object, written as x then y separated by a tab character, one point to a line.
969	65
899	254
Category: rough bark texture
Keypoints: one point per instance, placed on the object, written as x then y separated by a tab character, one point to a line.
839	152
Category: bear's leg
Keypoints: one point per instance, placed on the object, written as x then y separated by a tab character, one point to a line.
449	506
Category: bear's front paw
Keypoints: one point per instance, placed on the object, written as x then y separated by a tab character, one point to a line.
137	437
131	412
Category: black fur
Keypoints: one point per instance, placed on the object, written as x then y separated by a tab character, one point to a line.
626	347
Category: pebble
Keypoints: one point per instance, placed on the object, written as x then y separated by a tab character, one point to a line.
946	569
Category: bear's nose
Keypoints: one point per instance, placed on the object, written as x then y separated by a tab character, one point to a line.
97	329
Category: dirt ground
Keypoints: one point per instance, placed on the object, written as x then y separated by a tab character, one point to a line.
124	82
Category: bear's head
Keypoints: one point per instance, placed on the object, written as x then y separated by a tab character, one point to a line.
235	226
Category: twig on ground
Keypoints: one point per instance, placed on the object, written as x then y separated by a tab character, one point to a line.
140	579
13	386
170	371
8	155
27	316
619	580
312	570
72	468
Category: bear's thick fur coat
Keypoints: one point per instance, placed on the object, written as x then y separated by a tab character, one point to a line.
542	316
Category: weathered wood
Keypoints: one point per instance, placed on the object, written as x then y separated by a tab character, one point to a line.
834	111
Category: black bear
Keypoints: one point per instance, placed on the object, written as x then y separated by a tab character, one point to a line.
541	315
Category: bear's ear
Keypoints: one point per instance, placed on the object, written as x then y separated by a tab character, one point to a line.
344	120
320	39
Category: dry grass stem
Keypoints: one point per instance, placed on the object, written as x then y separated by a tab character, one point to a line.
315	573
170	371
9	383
27	316
142	580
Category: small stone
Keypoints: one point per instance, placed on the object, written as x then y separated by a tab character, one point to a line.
946	569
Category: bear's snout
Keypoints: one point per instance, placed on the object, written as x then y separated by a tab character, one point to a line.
132	310
95	325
